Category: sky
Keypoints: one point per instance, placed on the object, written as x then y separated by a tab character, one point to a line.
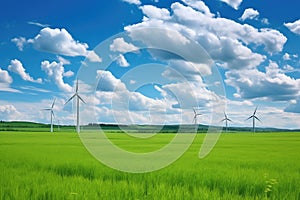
152	61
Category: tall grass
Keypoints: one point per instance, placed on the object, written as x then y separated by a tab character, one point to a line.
241	166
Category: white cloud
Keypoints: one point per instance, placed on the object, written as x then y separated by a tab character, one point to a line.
233	3
63	60
120	45
68	74
60	41
108	83
93	57
186	71
5	77
294	26
132	82
38	24
9	112
5	81
199	5
286	56
121	60
249	13
226	41
17	67
199	24
155	13
265	21
273	84
293	107
56	71
136	2
20	42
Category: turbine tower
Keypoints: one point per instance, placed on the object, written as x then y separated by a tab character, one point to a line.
77	106
253	116
226	119
51	114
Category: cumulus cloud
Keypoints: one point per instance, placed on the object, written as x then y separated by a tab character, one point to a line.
233	3
265	21
286	56
121	60
68	74
9	112
60	41
225	40
108	82
273	84
20	42
120	45
181	70
156	13
5	77
17	67
294	26
56	72
126	106
63	60
249	13
293	107
199	24
136	2
5	81
199	5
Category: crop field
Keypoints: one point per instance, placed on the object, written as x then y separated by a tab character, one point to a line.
41	165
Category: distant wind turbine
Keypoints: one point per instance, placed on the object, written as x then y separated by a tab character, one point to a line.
226	119
51	114
195	116
77	107
253	116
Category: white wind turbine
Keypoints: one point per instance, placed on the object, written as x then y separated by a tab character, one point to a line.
226	119
77	107
253	116
195	116
51	114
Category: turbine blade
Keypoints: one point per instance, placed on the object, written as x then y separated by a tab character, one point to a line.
53	103
255	111
81	98
249	117
70	99
52	113
257	118
76	85
222	120
229	120
194	111
48	109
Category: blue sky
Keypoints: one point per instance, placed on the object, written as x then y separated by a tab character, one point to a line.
152	61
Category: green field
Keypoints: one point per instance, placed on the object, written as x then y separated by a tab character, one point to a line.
40	165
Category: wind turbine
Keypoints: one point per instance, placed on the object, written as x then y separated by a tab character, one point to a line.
195	116
226	119
77	107
253	116
51	114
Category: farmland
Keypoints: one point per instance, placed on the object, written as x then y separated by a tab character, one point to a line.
41	165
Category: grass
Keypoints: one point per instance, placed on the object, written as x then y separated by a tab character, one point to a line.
39	165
